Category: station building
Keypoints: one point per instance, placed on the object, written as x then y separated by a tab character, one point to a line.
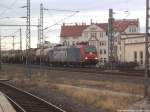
97	34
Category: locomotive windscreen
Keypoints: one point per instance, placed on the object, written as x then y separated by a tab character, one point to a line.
90	49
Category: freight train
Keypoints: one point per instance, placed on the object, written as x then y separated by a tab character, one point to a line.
80	54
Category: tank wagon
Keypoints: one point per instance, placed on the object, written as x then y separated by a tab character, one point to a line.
42	56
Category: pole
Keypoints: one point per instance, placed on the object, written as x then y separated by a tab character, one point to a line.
146	51
13	43
28	42
20	39
110	38
38	28
41	33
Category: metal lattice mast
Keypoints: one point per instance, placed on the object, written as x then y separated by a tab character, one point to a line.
110	37
13	44
20	39
146	50
38	31
41	32
28	40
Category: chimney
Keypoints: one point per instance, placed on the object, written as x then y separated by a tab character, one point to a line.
76	24
91	21
63	24
137	19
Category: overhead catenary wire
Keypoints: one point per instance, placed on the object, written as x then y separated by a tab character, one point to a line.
8	8
13	33
51	16
8	29
62	10
3	6
61	21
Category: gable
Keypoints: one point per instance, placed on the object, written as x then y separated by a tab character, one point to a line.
93	28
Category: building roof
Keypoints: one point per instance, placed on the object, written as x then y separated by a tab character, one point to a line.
76	30
73	31
121	25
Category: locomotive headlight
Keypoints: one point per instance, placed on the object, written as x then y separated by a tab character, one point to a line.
86	58
96	58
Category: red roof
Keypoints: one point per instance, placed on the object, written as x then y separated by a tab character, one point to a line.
76	30
121	25
73	31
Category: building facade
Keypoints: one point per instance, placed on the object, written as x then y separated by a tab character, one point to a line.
97	34
132	48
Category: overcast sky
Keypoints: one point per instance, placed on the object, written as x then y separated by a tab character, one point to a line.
97	10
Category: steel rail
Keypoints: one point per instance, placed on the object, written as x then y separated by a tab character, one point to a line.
30	102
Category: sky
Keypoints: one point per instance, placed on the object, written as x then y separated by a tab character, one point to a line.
97	10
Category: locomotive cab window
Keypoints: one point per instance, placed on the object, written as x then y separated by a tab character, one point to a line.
90	49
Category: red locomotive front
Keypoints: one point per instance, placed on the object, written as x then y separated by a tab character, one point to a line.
90	56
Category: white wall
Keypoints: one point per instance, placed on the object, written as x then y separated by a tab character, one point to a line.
100	40
131	44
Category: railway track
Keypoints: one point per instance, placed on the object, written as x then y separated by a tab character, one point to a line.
99	71
137	73
27	102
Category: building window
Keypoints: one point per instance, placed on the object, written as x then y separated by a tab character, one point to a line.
68	44
101	34
132	29
106	33
105	43
93	35
65	43
102	43
101	52
104	51
101	60
141	57
93	43
135	56
73	42
104	60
